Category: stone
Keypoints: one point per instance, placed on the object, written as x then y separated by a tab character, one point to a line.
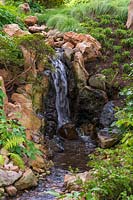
14	30
68	131
107	139
28	180
98	81
11	190
88	129
11	167
88	50
70	181
36	29
28	118
129	23
76	38
80	73
39	164
90	104
68	53
68	45
108	114
8	177
31	20
25	8
6	75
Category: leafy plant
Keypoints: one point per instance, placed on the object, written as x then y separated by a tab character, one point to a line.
13	138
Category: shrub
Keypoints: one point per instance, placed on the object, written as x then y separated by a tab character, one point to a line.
10	54
9	15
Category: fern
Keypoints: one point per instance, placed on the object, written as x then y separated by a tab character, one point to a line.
13	142
2	160
17	160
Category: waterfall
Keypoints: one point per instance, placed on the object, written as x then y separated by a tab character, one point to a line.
60	82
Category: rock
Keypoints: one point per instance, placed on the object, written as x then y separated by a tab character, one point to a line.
39	164
68	131
6	75
88	50
129	23
11	167
36	29
80	73
89	130
55	34
86	44
2	191
26	181
25	8
90	104
68	53
28	118
107	139
108	114
14	30
8	177
11	190
98	81
68	45
31	20
70	181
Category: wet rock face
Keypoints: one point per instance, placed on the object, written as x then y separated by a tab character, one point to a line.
90	104
108	114
50	112
68	131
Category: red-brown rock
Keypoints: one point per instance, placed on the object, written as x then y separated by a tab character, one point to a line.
14	30
31	20
129	23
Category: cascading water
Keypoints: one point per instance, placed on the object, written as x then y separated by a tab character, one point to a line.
60	82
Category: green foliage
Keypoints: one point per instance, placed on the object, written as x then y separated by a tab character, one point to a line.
17	160
125	117
2	160
35	44
9	15
13	138
10	54
63	23
127	42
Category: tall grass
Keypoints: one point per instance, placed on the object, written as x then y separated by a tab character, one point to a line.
77	11
63	23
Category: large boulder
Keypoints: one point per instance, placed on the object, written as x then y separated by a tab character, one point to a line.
14	30
129	23
28	180
80	73
107	139
108	114
90	104
28	118
70	181
86	44
68	131
8	177
98	81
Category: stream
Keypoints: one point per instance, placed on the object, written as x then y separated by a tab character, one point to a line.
75	152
